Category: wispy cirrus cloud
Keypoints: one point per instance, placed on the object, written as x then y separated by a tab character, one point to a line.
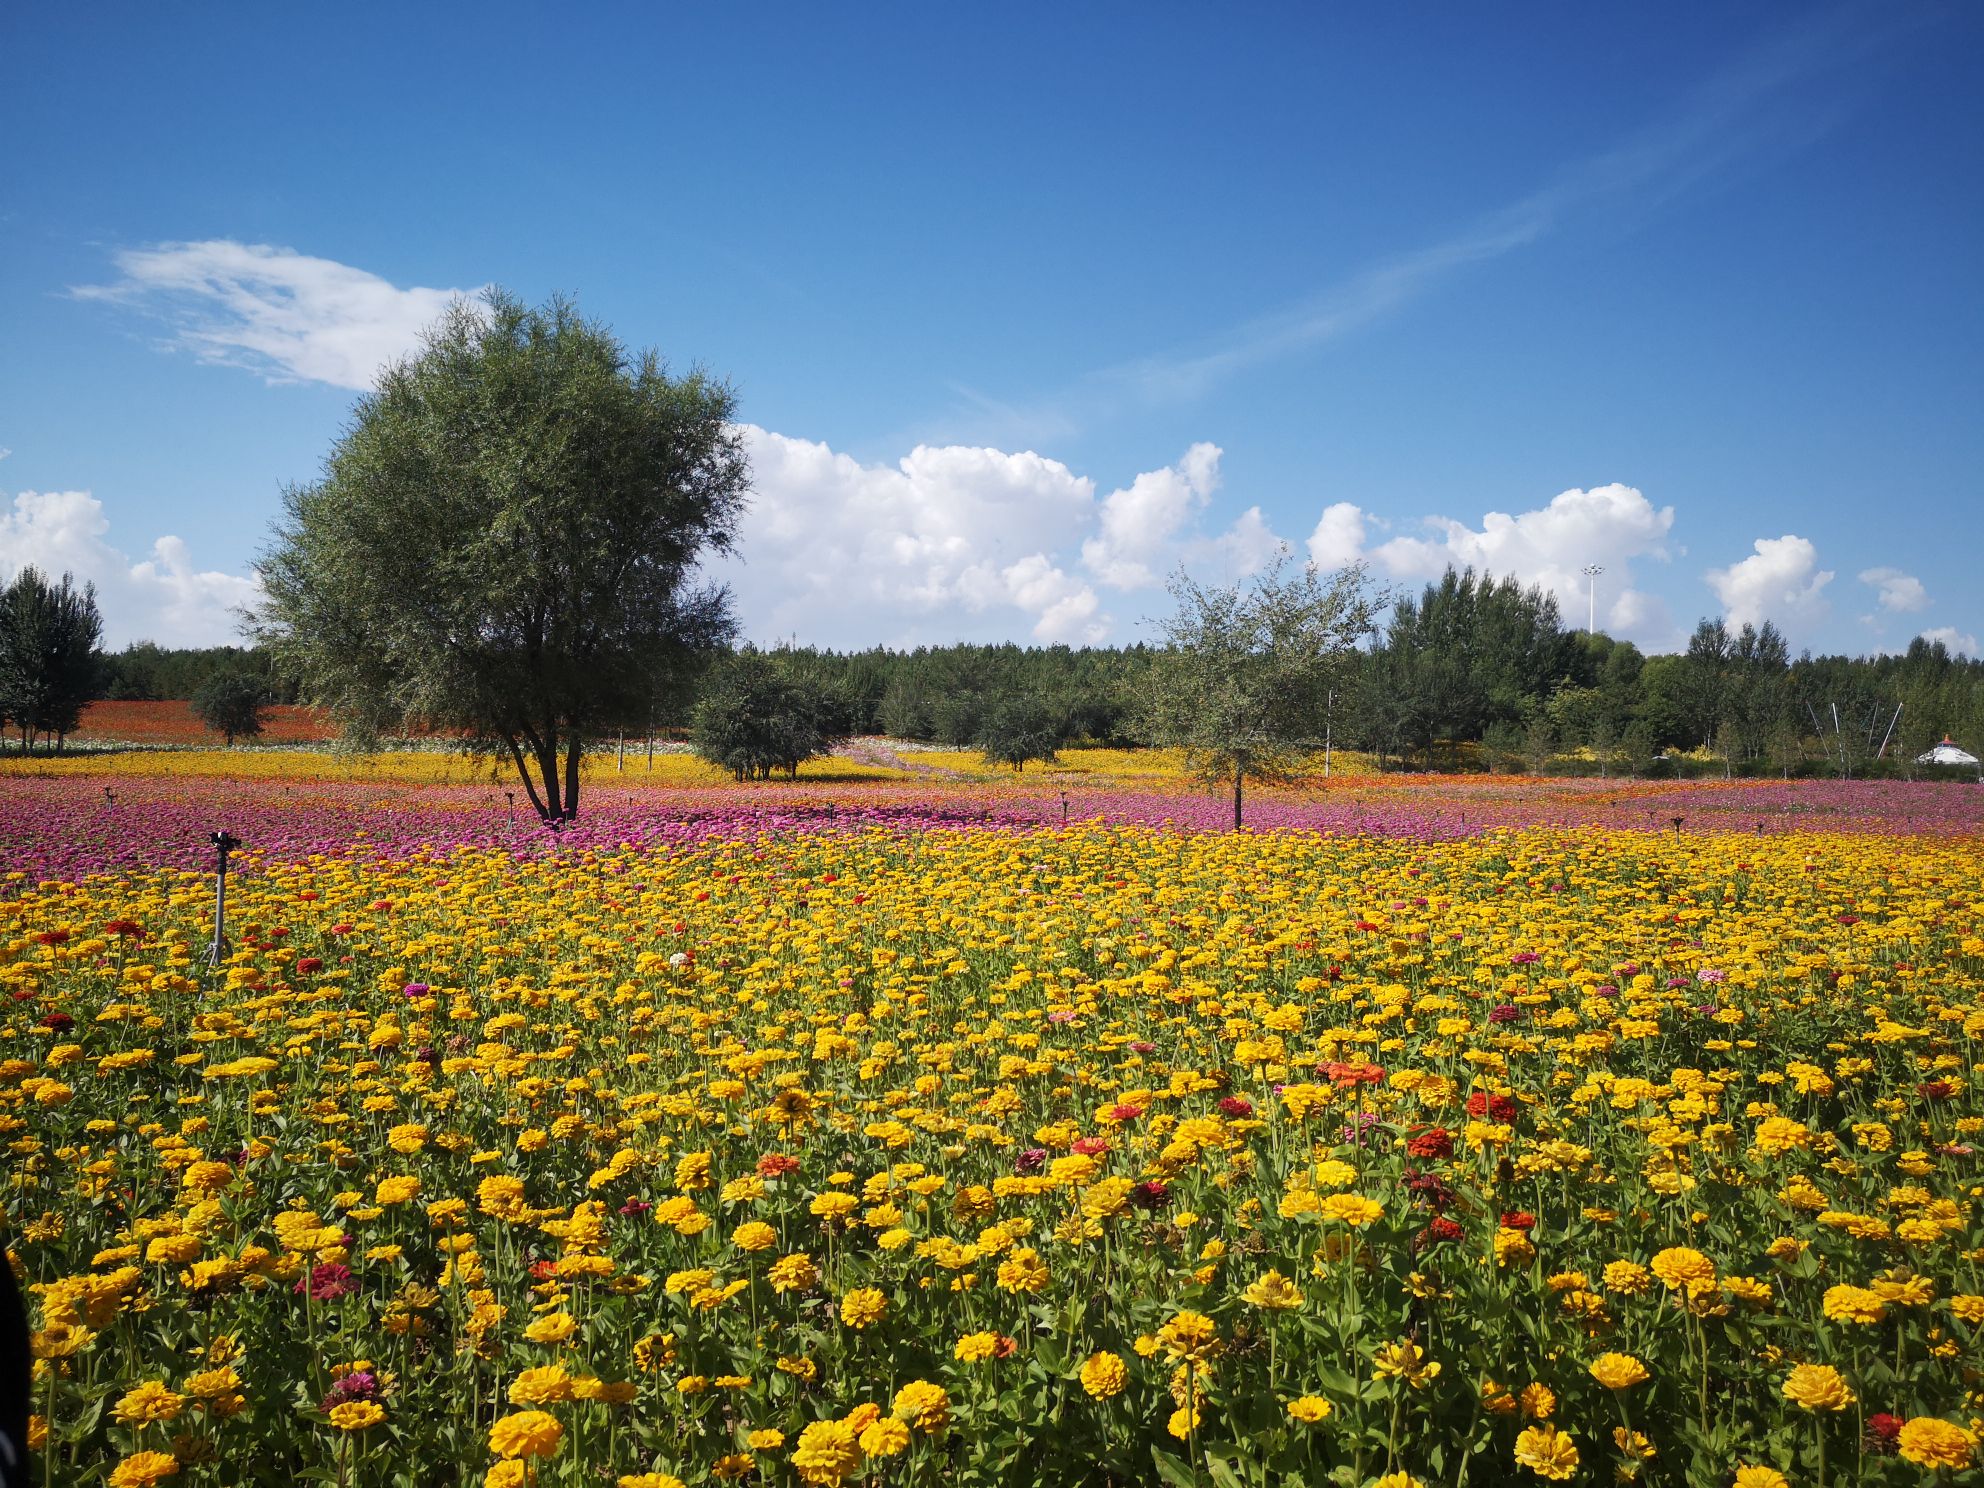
273	311
1748	110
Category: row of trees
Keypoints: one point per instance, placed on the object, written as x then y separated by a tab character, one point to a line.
50	667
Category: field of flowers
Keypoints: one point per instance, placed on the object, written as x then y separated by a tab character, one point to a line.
892	1132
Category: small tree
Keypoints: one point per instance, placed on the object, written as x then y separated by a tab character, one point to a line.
1539	743
1018	727
231	704
1638	748
1244	681
757	715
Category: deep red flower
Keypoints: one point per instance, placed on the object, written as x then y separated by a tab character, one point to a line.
1091	1146
1883	1431
307	964
1494	1107
1125	1112
1937	1089
1437	1230
1236	1106
1433	1143
1152	1195
1518	1219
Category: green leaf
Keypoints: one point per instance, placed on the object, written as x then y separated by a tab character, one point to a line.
1172	1469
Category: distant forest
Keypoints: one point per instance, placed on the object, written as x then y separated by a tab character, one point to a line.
1472	672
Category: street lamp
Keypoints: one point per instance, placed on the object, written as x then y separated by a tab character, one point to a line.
1591	571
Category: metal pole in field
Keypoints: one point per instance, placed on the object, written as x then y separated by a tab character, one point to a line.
224	843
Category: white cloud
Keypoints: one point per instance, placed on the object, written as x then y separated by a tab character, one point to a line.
1141	522
1608	525
163	597
1900	593
946	541
1962	643
1338	540
1780	581
1248	546
283	314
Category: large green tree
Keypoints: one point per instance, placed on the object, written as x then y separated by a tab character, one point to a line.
1249	668
504	544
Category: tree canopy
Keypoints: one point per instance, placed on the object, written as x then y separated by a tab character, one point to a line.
504	543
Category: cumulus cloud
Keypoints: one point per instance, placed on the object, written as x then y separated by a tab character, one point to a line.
1611	526
1900	593
1962	643
1141	522
163	597
274	311
1338	540
1780	581
947	540
1247	547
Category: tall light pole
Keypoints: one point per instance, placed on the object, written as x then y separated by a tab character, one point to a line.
1591	571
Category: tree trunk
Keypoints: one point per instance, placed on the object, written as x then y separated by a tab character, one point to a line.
572	751
1239	776
530	785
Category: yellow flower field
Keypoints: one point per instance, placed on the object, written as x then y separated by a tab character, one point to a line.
1097	1155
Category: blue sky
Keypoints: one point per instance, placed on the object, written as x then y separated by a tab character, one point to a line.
1027	305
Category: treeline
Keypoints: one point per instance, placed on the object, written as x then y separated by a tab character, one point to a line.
1484	668
1471	672
147	672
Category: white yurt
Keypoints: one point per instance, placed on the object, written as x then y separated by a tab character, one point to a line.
1947	753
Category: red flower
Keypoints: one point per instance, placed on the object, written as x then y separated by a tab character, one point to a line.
1091	1146
1883	1431
52	937
309	964
1437	1230
1236	1106
777	1165
1937	1089
1436	1142
1125	1112
1518	1219
1494	1107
